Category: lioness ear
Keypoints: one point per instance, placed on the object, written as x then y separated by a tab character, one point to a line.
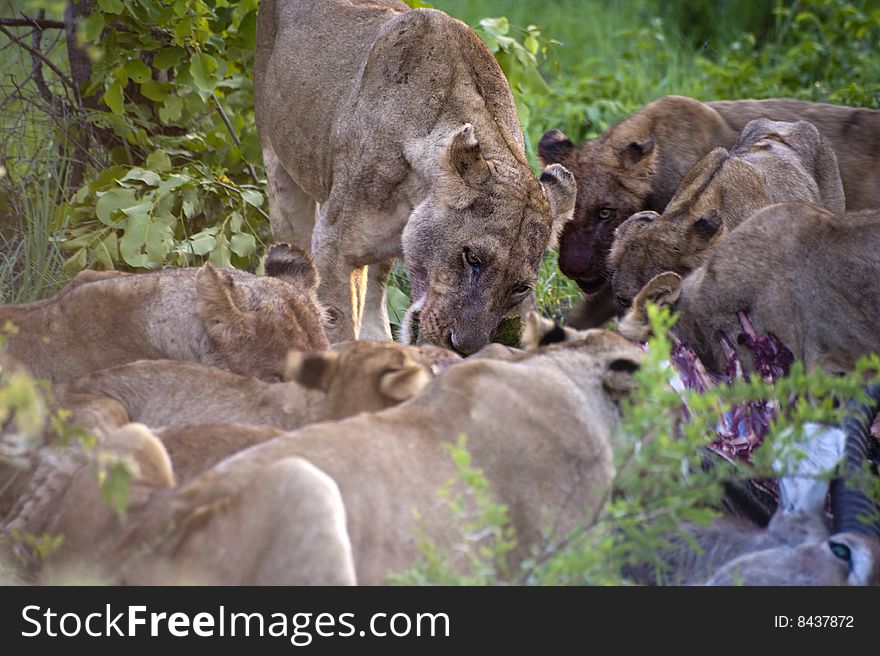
827	175
404	383
709	224
292	264
312	370
561	190
540	331
534	328
462	169
636	152
219	302
554	148
635	222
663	290
620	379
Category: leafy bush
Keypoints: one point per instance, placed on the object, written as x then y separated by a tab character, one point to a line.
824	51
174	80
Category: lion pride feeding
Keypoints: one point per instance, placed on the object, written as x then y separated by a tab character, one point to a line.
208	425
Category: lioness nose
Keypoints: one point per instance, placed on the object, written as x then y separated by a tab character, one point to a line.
461	345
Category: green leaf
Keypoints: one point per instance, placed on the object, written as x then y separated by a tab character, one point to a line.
397	303
159	242
113	96
220	255
192	203
114	487
158	161
133	240
252	197
243	244
107	251
138	209
183	29
148	177
138	71
168	57
77	262
171	110
91	28
155	91
202	68
112	201
247	29
107	178
202	243
171	183
235	221
111	6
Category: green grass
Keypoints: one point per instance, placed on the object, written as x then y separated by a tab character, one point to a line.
32	182
31	266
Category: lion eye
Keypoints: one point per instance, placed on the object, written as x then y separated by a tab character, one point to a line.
470	259
840	550
605	213
520	290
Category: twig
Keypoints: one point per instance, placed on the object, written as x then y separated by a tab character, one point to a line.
234	136
41	23
238	191
36	53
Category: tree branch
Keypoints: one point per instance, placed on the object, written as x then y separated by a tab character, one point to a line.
234	136
36	53
41	23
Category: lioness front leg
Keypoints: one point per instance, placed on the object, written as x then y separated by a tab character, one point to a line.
343	286
375	325
292	212
346	242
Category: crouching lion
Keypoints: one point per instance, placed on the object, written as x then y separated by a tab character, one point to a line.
357	377
303	540
549	463
401	124
773	162
225	318
800	272
638	164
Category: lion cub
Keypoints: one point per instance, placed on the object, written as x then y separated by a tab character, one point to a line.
800	272
773	162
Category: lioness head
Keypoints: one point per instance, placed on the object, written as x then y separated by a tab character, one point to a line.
717	194
367	376
473	248
614	181
663	290
254	327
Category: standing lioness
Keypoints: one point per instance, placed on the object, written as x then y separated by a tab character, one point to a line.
402	126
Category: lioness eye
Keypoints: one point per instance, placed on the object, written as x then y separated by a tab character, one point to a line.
471	259
605	213
840	550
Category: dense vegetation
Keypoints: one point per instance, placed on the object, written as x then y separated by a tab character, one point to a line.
127	141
